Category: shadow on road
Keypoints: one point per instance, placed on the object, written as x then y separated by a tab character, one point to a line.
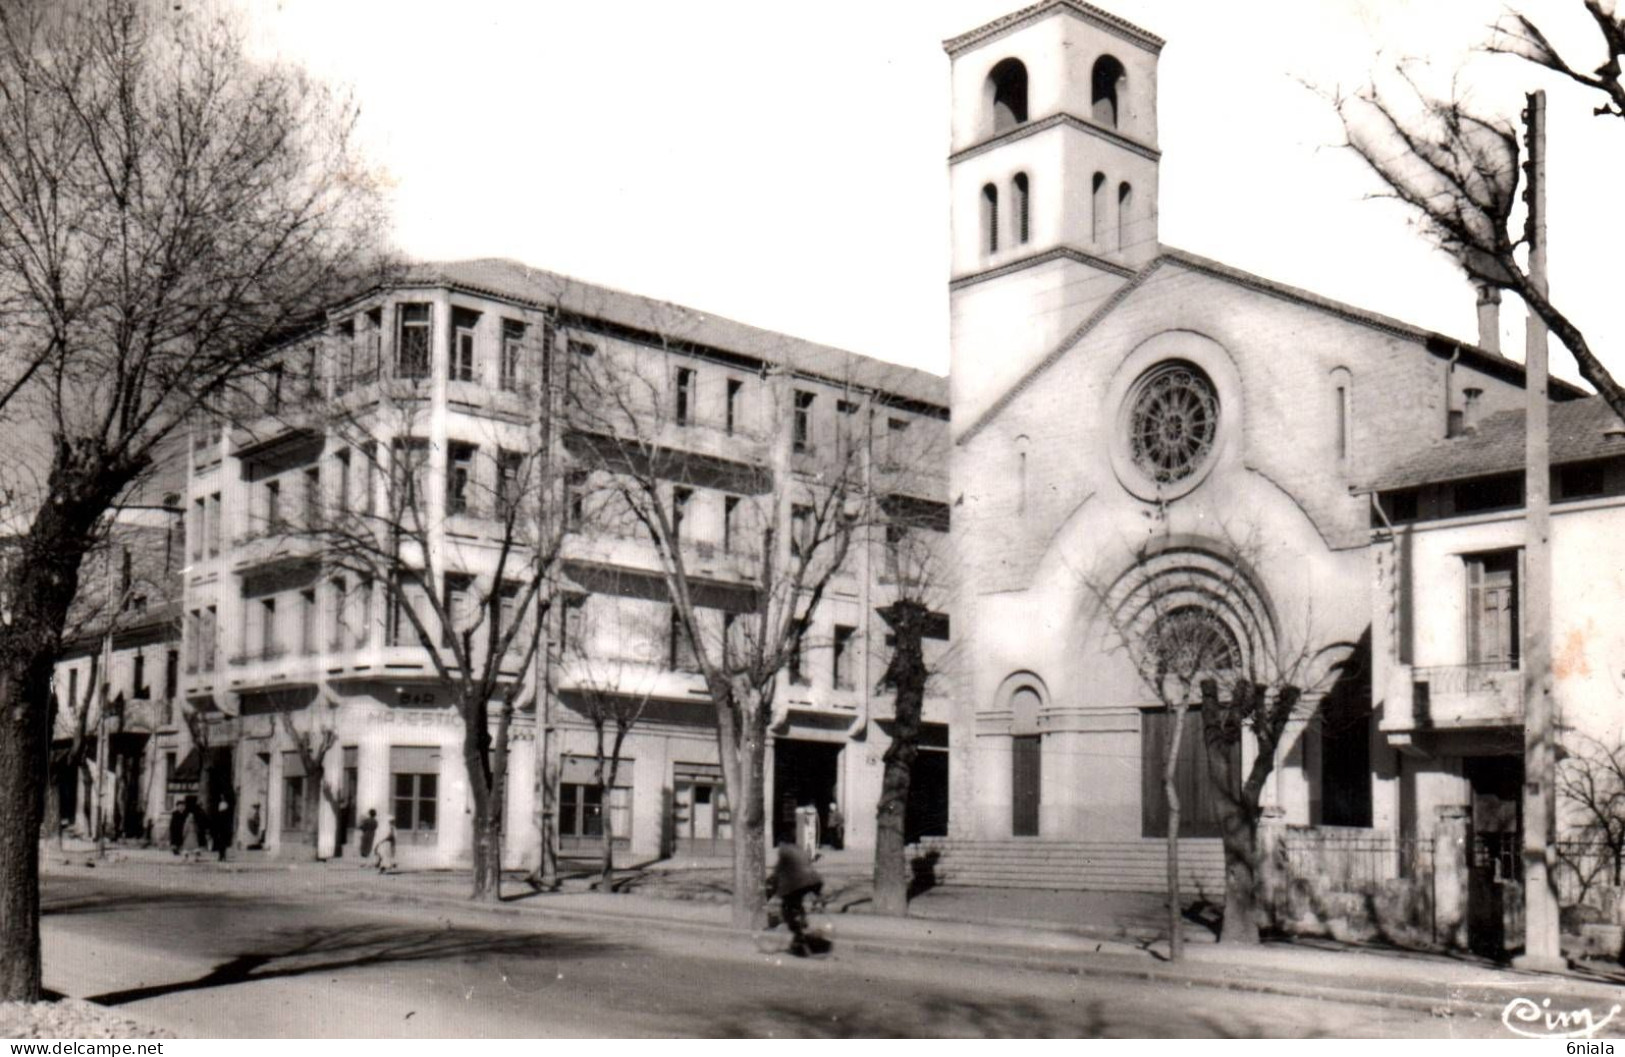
295	952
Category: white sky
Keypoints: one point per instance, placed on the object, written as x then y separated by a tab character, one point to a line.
785	164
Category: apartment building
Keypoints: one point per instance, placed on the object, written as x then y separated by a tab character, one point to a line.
449	387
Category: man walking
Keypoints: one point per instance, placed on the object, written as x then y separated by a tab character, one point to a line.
794	879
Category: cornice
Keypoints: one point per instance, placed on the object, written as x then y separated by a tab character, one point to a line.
1017	20
1059	253
1072	121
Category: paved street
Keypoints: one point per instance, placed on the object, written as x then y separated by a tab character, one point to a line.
218	964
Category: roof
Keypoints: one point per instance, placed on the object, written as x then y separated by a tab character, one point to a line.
1088	12
1579	432
514	281
1491	363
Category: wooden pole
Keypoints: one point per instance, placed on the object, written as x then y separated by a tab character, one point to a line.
1541	945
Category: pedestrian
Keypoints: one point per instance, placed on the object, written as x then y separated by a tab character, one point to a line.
189	835
222	828
369	830
177	827
836	827
794	879
386	849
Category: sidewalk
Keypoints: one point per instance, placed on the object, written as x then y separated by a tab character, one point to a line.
1080	933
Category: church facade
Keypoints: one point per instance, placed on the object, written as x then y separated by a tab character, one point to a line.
1143	439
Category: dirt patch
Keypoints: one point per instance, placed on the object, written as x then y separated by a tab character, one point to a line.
70	1019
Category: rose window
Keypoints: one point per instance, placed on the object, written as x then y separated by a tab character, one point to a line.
1173	422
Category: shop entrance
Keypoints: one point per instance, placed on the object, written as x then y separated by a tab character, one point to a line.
805	774
701	822
1495	871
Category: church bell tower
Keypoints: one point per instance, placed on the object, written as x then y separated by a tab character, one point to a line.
1053	183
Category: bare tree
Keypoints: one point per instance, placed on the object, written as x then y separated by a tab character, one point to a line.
464	571
313	743
913	548
165	205
1191	621
1458	170
1592	781
799	503
613	691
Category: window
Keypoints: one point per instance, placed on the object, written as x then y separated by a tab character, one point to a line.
572	626
896	442
1198	806
126	570
734	388
581	348
338	592
363	630
575	499
1173	422
211	636
509	465
730	522
273	506
409	457
1125	204
268	639
415	779
797	663
1488	493
341	486
273	389
1023	211
138	678
1580	480
172	673
309	620
412	342
1097	210
73	689
685	396
802	425
683	657
296	816
513	351
459	472
845	652
199	528
464	326
214	525
582	812
369	462
1342	421
680	498
1106	81
802	529
990	219
313	499
1492	609
1007	94
460	613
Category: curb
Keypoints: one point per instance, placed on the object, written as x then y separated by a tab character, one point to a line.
1063	963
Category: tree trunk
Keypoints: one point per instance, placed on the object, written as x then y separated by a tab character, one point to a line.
1170	790
487	821
22	762
744	754
908	675
1238	812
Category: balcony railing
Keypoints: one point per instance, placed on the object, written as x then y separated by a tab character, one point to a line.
1482	677
265	654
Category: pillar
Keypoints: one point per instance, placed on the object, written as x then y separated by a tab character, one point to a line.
1450	879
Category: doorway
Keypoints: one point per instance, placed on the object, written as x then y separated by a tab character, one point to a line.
805	774
701	822
1495	867
1026	779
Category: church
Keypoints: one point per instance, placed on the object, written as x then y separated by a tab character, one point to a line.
1142	439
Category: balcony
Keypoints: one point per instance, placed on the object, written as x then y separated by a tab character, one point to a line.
279	543
271	666
1454	697
631	549
301	417
910	479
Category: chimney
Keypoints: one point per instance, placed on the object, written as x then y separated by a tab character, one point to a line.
1489	318
1472	406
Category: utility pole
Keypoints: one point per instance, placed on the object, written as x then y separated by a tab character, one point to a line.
98	820
1541	947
